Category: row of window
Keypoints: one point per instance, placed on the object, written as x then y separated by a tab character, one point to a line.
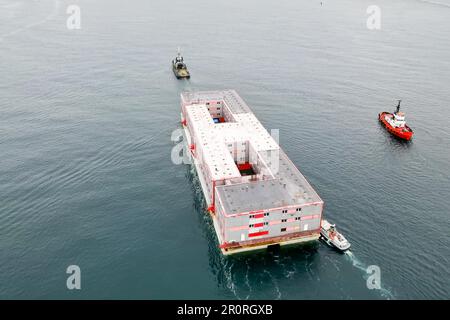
298	209
265	223
243	143
266	214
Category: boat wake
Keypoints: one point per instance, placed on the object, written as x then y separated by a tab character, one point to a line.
50	16
436	3
385	293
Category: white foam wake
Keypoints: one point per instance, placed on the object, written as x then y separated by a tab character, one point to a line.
385	293
437	3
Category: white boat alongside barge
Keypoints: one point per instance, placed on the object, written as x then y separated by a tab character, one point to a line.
256	196
333	237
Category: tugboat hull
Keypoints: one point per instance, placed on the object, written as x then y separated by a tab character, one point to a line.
405	133
334	244
181	73
179	67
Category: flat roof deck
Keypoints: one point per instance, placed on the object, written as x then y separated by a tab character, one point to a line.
275	187
289	188
213	138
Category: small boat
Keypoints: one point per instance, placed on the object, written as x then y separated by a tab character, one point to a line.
333	237
395	123
179	67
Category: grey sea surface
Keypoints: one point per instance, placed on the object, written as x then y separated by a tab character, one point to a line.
86	118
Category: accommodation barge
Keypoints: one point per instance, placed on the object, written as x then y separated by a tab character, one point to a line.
256	196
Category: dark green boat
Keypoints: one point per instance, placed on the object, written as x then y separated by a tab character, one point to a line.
179	67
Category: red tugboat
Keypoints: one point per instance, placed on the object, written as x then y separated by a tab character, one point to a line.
395	123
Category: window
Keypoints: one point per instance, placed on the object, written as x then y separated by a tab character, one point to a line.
266	214
284	211
266	223
251	226
252	216
297	218
283	229
298	209
283	220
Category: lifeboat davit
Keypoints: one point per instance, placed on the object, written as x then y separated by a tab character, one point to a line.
395	123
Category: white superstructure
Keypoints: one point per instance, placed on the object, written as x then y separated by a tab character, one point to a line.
397	120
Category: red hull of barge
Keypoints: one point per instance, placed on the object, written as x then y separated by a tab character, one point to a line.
402	133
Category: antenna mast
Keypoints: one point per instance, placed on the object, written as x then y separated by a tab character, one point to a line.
398	106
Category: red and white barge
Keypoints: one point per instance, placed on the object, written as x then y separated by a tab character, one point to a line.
256	196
